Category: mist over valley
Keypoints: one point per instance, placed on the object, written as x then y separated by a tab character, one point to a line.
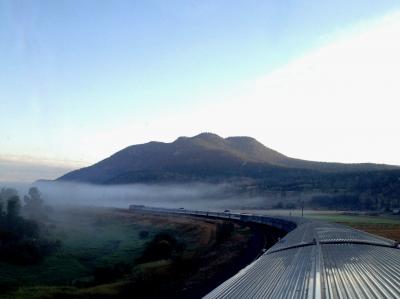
199	149
208	171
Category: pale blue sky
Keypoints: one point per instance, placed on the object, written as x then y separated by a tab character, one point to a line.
70	70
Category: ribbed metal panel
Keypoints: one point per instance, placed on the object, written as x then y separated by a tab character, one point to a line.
320	260
340	233
285	274
360	271
344	271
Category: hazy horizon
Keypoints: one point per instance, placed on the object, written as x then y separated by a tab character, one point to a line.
80	81
24	171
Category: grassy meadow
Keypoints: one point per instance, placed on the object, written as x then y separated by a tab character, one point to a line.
89	239
111	253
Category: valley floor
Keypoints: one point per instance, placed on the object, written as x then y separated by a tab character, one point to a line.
113	253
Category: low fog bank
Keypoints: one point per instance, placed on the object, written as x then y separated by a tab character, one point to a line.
191	196
21	187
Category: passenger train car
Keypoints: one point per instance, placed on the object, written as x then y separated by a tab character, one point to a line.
314	260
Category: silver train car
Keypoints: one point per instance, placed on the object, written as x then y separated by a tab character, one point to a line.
314	260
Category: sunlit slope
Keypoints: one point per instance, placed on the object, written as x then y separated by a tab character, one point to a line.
206	157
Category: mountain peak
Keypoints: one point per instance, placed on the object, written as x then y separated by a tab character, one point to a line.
202	136
203	156
207	136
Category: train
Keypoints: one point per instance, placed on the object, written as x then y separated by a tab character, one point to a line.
315	260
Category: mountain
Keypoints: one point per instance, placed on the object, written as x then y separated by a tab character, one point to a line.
205	157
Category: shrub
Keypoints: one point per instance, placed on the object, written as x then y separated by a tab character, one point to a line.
163	246
224	231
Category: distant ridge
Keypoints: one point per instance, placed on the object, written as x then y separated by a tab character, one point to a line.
204	157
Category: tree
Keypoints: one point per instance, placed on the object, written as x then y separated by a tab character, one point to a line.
13	207
34	198
7	193
21	241
2	212
34	205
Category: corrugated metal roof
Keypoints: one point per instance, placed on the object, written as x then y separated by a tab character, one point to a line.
284	274
320	260
360	271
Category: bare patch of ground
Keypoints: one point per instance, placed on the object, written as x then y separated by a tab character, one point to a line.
390	231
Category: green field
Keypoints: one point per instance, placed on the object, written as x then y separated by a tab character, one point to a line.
89	239
107	240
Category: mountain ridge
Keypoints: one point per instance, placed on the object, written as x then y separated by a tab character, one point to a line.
205	156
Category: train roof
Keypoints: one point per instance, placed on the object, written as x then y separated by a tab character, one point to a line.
320	260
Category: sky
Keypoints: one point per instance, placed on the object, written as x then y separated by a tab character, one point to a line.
80	80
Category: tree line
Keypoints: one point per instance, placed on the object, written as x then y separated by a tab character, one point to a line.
22	234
